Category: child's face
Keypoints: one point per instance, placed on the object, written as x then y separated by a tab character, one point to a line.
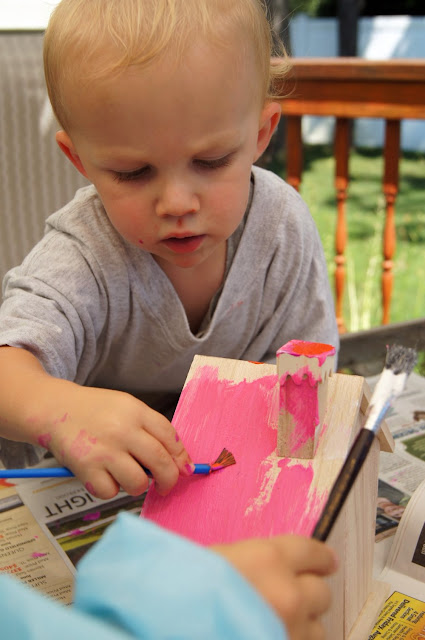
170	149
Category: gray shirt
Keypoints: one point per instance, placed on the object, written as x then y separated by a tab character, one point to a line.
97	310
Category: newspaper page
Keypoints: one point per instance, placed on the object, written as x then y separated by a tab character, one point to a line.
48	525
403	615
401	472
27	553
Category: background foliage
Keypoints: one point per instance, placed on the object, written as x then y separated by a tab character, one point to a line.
327	8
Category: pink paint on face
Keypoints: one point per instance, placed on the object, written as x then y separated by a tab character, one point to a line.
44	440
261	494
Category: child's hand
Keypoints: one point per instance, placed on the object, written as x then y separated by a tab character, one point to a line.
105	436
288	571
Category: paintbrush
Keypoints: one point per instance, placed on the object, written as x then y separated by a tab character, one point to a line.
225	459
399	364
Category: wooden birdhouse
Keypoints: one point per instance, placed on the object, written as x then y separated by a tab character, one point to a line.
236	404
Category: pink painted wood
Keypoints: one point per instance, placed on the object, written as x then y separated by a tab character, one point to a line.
234	404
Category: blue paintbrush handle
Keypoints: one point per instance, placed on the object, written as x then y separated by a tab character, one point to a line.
46	472
202	468
63	472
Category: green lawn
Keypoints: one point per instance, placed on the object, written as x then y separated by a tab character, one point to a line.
365	220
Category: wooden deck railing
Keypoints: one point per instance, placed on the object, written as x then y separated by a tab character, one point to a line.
348	88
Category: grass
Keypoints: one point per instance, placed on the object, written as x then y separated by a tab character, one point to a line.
365	214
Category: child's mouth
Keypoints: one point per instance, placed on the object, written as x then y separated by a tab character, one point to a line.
184	245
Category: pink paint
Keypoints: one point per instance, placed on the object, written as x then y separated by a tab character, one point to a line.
309	349
75	532
92	516
37	554
261	495
44	440
62	419
298	397
81	446
90	488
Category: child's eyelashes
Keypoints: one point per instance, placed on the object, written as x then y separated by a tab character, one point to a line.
146	172
127	176
214	163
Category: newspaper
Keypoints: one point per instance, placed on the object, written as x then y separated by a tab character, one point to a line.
46	526
403	615
401	472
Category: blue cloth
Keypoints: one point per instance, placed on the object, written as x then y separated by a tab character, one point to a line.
140	581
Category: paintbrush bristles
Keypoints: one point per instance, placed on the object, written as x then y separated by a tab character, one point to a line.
225	459
401	359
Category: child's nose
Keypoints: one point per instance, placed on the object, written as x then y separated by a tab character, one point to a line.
177	199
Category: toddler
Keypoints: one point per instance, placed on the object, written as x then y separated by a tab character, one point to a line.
180	246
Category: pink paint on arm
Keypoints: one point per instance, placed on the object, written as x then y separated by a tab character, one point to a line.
82	444
44	440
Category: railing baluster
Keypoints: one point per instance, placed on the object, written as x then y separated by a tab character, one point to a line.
294	149
342	144
390	189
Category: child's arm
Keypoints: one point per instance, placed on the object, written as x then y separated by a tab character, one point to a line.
103	436
288	571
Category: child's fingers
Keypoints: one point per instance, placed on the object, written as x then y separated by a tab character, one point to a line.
162	430
308	555
151	453
100	483
129	474
316	594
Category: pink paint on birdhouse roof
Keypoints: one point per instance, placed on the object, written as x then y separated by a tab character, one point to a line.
317	350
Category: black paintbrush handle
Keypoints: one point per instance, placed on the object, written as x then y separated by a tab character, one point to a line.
345	480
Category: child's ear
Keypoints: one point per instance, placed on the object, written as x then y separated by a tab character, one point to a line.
66	145
269	119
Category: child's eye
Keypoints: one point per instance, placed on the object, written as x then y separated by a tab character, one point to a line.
127	176
214	163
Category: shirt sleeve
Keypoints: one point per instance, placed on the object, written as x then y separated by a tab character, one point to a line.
156	584
140	581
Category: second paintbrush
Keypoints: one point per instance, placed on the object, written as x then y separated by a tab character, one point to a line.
398	365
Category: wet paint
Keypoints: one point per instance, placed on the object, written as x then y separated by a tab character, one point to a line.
317	350
261	494
303	368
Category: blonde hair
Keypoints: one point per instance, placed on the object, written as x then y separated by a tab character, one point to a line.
91	39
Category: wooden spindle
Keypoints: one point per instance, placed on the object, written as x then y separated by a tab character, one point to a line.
342	145
390	189
294	151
